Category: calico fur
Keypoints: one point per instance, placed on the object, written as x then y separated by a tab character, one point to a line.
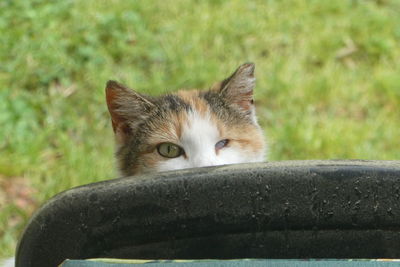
194	120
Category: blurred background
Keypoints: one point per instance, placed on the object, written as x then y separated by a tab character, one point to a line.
328	81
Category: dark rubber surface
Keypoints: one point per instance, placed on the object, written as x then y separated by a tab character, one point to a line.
293	209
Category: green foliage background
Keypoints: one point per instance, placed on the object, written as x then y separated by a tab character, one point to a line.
328	78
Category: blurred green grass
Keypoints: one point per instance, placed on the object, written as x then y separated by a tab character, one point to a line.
328	79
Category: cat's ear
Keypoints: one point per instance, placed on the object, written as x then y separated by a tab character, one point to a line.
127	109
237	90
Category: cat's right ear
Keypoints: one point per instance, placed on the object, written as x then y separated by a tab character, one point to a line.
237	90
127	109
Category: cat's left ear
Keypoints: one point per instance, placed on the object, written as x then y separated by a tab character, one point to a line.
237	90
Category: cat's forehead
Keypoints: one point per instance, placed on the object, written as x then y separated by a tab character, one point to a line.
183	101
179	112
195	101
204	103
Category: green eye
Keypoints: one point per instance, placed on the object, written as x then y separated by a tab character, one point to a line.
169	150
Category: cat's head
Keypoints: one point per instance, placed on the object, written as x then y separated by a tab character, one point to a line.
186	129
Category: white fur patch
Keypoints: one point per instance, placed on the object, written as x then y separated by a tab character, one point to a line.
198	139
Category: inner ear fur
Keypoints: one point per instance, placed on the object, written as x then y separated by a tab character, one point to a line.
238	88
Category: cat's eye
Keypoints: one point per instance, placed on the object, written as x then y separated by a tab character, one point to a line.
221	144
169	150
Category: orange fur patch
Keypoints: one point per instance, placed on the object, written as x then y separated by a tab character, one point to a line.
247	137
192	98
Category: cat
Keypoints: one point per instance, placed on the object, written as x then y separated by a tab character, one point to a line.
188	128
185	129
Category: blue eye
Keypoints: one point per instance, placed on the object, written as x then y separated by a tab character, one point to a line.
221	144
